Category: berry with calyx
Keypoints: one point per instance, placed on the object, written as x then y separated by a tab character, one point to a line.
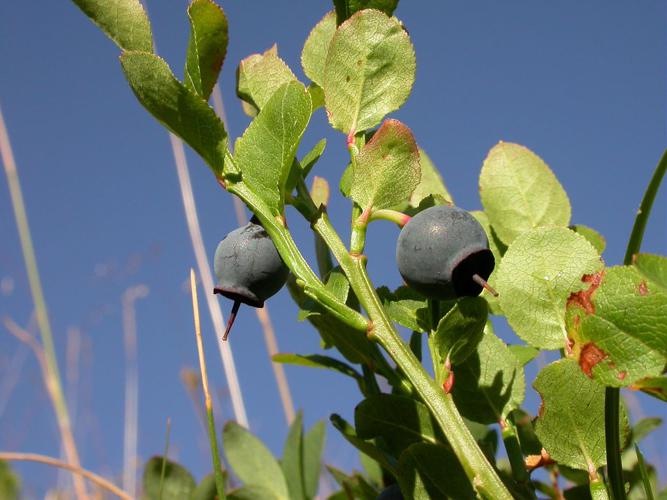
443	253
248	267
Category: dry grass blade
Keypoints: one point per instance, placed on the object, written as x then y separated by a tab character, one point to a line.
55	390
76	470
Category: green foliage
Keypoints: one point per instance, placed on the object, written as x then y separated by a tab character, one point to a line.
124	21
406	307
538	273
259	76
176	483
265	152
432	471
593	237
654	386
619	326
247	455
653	267
386	171
490	383
10	486
369	71
345	8
183	112
354	485
301	459
314	53
519	192
207	46
431	184
571	420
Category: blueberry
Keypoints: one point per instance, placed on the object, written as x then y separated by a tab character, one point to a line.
443	253
391	492
248	268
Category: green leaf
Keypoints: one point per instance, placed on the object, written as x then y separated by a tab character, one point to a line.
251	492
355	486
431	183
314	53
539	271
266	150
643	428
619	326
654	386
346	8
259	76
10	486
458	333
400	420
369	71
646	482
530	443
570	424
386	171
519	192
313	446
524	353
207	46
653	267
292	461
311	157
184	113
406	307
432	471
593	237
247	456
206	489
338	284
124	21
318	361
498	249
367	447
490	383
177	483
372	469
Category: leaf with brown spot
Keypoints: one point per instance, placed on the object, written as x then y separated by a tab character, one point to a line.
652	267
625	317
654	386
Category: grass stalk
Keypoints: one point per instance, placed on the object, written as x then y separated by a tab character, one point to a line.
76	470
262	313
53	374
217	467
130	429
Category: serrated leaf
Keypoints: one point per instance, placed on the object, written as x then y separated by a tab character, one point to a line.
570	424
369	71
458	333
386	170
292	461
406	307
176	484
537	274
431	183
619	326
432	471
184	113
207	46
266	150
654	386
318	361
490	383
259	76
593	237
519	192
10	486
124	21
653	267
247	455
346	8
498	249
314	53
367	447
399	420
313	446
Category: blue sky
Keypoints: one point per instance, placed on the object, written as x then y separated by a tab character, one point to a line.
581	84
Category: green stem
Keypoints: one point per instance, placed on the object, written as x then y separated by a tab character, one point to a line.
477	467
394	216
598	489
217	466
513	448
612	394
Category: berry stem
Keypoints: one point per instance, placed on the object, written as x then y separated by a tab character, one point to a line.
484	284
394	216
232	318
